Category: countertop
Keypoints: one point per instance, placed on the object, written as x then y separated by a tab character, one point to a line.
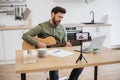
15	27
29	26
95	25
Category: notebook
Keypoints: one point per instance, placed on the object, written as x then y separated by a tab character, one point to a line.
97	42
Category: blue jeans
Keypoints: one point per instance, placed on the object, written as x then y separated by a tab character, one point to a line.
73	76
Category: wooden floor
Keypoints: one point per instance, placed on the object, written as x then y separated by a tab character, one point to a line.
106	72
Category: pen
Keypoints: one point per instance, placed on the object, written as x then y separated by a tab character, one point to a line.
57	51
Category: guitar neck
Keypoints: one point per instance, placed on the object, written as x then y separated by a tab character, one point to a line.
73	42
57	45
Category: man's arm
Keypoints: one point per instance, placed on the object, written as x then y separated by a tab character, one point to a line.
28	36
68	44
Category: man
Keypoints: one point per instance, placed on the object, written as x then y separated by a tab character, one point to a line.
54	29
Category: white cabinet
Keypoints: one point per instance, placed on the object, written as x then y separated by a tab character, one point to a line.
11	41
115	31
1	46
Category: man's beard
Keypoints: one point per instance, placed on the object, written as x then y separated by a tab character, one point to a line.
55	22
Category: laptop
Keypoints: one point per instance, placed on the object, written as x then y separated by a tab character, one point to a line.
97	42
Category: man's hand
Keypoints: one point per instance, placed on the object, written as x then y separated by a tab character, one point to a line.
68	44
41	45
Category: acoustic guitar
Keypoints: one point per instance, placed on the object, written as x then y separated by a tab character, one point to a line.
50	41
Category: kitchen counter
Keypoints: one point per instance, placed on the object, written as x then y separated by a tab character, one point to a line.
95	25
29	26
14	27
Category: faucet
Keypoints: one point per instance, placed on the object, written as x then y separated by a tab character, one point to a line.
92	12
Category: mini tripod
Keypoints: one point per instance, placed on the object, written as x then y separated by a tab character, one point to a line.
81	55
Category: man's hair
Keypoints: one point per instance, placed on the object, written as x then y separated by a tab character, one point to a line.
58	9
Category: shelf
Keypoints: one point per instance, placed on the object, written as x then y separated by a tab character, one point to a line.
15	1
3	3
94	25
15	27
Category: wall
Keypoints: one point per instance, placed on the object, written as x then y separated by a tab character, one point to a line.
77	12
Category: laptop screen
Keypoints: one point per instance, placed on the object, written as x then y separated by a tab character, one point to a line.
97	42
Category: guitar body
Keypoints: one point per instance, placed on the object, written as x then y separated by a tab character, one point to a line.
49	40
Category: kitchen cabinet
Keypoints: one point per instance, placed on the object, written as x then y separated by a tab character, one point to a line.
11	41
115	31
1	46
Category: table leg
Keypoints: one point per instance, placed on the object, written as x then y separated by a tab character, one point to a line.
95	72
23	76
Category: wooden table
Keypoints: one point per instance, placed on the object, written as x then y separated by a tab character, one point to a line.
105	56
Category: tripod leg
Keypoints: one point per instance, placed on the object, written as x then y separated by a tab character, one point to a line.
81	55
79	58
84	59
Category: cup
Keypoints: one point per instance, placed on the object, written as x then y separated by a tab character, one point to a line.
42	52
